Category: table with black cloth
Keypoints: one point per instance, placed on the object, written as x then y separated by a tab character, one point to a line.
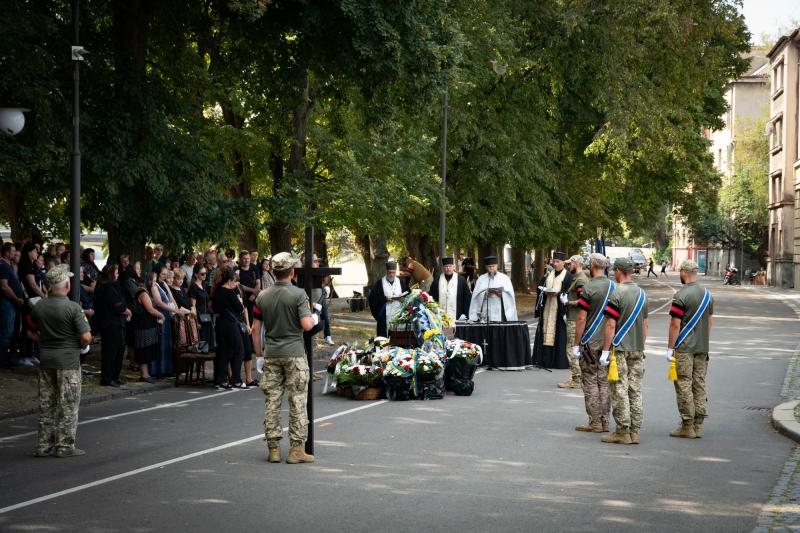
508	344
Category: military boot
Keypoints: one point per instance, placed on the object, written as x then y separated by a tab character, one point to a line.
576	384
685	431
298	455
590	428
567	384
634	437
274	455
698	429
617	438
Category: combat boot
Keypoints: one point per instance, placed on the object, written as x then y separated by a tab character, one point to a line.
634	437
617	438
590	428
298	455
567	384
576	384
274	455
698	430
685	431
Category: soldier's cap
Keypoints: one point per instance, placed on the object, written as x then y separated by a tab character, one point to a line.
283	261
623	264
576	259
598	260
689	266
58	274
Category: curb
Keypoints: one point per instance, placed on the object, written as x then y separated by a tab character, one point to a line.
96	398
784	421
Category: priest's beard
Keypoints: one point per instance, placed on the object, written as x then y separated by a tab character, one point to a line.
492	275
390	279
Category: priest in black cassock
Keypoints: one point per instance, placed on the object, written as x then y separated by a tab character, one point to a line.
385	298
550	343
451	291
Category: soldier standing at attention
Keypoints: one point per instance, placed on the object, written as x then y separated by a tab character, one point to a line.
588	344
284	312
689	330
579	280
625	332
63	331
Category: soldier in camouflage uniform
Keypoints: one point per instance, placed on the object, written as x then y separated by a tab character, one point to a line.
284	313
594	376
579	278
626	394
692	353
62	331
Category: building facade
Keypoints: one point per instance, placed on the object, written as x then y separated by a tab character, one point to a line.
748	102
783	261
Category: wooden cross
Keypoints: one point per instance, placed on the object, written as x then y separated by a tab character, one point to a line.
307	282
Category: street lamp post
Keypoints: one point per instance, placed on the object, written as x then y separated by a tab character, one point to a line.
75	157
443	203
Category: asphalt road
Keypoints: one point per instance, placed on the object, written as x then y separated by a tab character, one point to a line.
505	459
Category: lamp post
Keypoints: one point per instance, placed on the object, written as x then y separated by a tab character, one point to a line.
75	156
443	203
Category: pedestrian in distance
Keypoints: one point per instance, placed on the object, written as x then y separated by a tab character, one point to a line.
650	269
283	312
625	333
692	313
62	330
663	268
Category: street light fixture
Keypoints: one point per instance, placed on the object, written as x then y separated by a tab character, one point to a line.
12	119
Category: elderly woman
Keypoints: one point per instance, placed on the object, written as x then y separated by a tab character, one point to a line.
179	294
163	302
111	316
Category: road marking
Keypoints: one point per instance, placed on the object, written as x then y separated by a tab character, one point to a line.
126	413
168	462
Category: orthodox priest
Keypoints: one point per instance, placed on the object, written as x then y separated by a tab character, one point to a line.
451	291
493	298
550	343
385	298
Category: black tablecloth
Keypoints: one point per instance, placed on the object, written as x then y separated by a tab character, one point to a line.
508	344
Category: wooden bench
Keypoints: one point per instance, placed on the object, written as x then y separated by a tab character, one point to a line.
194	363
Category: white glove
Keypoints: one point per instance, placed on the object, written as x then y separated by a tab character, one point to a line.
563	298
317	307
576	352
327	291
670	355
604	358
315	318
259	364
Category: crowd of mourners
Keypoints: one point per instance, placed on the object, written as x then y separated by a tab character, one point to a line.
139	308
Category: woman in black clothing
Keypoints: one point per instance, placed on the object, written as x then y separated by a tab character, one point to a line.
111	316
26	271
228	307
199	298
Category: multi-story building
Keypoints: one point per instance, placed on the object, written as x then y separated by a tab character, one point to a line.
783	263
748	102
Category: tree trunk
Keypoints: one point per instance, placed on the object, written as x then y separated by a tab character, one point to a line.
321	246
123	242
539	263
518	278
423	249
375	252
484	249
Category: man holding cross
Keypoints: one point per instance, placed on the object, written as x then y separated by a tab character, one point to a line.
284	312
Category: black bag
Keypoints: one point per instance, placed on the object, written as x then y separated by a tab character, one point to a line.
204	318
458	376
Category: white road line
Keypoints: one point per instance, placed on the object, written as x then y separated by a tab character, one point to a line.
126	413
168	462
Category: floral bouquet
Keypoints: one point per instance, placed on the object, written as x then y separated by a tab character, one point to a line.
472	353
420	313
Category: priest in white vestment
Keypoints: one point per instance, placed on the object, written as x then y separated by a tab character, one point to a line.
385	298
493	295
451	291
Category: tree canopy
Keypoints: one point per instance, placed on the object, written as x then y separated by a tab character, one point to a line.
242	121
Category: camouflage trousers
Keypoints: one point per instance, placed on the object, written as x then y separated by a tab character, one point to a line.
59	399
690	388
626	394
290	375
594	381
574	364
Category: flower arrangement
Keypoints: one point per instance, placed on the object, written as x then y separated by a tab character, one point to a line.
423	316
466	350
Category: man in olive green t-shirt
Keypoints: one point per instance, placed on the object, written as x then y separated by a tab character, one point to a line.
579	278
692	353
626	393
62	331
283	312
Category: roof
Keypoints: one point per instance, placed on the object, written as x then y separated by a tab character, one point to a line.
782	41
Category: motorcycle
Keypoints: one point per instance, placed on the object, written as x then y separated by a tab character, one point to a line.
730	277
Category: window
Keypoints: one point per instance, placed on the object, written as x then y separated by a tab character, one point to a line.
777	188
776	133
777	77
